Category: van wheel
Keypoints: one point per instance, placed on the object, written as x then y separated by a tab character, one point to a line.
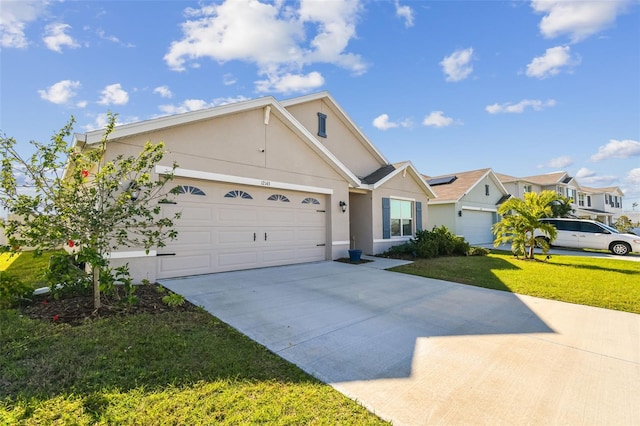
620	248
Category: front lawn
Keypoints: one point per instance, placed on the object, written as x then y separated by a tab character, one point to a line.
180	367
601	282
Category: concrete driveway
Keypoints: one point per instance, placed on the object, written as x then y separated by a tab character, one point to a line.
421	351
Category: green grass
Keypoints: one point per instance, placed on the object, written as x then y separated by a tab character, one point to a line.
182	368
601	282
173	368
25	265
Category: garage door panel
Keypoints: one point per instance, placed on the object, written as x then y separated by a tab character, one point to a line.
277	217
216	233
186	265
191	239
228	215
246	259
477	226
235	237
310	218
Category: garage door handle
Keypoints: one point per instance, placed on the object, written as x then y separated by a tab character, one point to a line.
265	236
254	236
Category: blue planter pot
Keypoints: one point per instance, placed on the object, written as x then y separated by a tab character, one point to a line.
354	255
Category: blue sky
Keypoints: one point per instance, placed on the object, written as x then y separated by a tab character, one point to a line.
523	87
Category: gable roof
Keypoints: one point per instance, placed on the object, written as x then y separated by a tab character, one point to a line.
463	184
378	174
404	168
268	103
337	109
609	189
554	178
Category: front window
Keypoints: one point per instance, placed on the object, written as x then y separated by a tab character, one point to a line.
581	200
401	218
527	188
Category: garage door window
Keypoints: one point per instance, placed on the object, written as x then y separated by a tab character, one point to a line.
278	197
310	200
238	194
401	218
188	189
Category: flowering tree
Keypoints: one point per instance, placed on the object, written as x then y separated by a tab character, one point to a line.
84	200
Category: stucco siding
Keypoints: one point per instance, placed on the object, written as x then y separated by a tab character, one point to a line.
403	187
340	140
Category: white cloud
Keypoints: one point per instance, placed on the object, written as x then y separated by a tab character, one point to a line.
272	36
198	104
457	66
437	119
536	105
287	83
585	173
56	37
163	91
617	149
560	162
229	79
551	62
577	19
14	19
61	92
114	95
633	178
406	13
382	122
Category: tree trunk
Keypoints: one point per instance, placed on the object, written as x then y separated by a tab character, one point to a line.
96	288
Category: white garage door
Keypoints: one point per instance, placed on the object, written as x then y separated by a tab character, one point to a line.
226	227
477	226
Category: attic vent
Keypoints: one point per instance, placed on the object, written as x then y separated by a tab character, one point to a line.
238	194
442	180
188	189
567	180
278	197
310	201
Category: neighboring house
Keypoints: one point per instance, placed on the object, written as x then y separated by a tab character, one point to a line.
602	204
266	183
595	201
467	203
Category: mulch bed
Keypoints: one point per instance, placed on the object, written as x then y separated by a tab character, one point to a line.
76	309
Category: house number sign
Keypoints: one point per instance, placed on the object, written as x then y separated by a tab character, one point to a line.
265	182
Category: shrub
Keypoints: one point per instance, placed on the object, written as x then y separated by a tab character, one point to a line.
173	300
13	291
428	244
478	251
66	276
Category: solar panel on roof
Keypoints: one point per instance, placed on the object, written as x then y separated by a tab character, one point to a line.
442	180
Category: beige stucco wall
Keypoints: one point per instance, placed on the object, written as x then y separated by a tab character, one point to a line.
361	225
340	140
400	187
242	145
444	215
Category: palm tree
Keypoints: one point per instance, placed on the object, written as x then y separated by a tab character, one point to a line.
520	219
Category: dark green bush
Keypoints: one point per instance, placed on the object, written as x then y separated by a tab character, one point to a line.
478	251
427	244
66	276
13	291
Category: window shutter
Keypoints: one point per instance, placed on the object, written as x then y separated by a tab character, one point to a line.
418	216
386	218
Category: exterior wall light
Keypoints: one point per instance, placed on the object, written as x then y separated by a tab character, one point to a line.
343	206
460	213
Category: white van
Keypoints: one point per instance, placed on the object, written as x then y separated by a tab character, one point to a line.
581	233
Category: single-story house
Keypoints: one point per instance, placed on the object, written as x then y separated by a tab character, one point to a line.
467	203
266	182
